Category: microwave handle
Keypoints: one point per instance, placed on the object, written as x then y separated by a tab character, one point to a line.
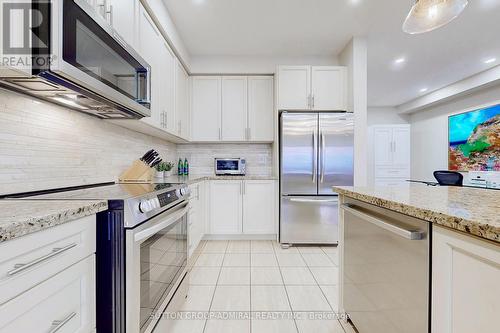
162	224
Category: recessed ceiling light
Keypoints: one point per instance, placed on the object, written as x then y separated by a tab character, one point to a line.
354	2
490	60
400	60
424	90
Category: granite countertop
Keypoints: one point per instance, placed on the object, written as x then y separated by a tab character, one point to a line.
191	179
23	217
470	210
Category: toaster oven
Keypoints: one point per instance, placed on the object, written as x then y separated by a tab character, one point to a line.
230	166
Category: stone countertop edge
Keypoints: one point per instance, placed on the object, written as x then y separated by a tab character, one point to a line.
476	227
12	228
192	179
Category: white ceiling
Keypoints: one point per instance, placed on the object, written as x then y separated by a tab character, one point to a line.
323	27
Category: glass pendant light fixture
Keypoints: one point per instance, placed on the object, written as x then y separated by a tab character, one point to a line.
427	15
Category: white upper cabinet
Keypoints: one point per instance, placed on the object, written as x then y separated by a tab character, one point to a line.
205	108
312	88
294	87
182	100
121	14
149	36
259	207
328	88
260	108
167	87
234	108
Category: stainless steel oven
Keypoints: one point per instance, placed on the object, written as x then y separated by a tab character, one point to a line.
86	65
156	256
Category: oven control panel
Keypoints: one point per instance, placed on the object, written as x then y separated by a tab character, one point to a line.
162	199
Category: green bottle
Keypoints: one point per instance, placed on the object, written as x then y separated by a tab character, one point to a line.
180	168
186	167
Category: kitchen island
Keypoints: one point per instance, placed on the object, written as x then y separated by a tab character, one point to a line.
399	243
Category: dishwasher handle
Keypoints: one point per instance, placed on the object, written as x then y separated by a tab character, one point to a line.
408	234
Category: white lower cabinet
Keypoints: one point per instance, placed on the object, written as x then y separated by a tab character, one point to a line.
465	283
225	206
47	280
63	303
242	207
196	216
258	207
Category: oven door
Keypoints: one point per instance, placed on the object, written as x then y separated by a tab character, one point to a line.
156	259
90	53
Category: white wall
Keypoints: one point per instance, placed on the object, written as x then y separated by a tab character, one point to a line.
429	131
201	156
354	56
386	116
46	146
252	64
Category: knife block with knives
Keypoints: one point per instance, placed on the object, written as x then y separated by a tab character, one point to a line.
141	170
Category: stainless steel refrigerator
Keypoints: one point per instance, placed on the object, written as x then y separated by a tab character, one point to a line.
316	152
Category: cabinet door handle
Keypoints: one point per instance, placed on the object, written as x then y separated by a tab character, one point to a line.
58	324
220	133
110	12
312	101
55	251
408	234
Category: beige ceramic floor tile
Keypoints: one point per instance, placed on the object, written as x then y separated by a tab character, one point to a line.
231	298
307	298
263	260
261	246
210	259
179	326
236	260
326	275
204	275
234	276
215	247
317	260
198	299
238	247
227	326
297	276
332	296
269	298
290	260
319	326
266	276
274	326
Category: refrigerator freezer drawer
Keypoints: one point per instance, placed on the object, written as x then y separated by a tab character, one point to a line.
309	220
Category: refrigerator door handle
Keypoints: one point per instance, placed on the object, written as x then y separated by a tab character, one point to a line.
315	157
323	148
312	200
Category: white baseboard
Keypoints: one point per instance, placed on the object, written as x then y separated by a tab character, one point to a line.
240	237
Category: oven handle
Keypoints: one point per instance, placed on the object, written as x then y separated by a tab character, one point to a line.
162	224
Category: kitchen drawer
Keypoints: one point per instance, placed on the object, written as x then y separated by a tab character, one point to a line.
29	260
392	172
64	303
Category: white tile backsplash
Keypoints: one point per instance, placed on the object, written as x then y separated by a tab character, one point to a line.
46	146
201	156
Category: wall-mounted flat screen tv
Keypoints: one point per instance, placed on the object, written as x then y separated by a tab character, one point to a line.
474	140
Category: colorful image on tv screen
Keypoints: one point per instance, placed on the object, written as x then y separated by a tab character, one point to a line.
474	140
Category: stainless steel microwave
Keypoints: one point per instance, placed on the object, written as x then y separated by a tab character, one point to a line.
230	166
83	63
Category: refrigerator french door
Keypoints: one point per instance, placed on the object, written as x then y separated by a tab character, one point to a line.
316	152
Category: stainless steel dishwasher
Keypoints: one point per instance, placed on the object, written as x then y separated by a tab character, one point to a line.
386	275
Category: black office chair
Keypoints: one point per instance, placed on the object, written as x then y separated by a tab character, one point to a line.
449	178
